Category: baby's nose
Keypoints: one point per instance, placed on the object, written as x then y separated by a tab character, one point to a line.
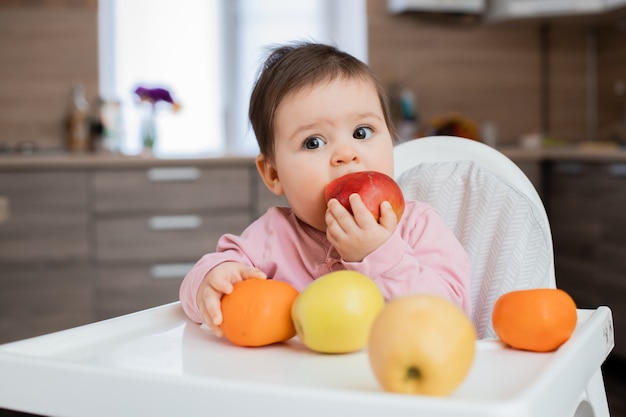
345	154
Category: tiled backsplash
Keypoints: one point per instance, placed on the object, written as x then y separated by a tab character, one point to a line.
47	46
497	72
490	73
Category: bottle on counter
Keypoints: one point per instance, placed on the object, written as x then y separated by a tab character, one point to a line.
78	127
112	125
96	127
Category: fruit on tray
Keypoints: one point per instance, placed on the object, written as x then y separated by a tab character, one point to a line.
373	187
258	312
421	344
334	313
539	319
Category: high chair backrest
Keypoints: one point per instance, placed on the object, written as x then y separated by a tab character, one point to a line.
493	209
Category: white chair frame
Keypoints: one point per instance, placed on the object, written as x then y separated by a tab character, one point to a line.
593	401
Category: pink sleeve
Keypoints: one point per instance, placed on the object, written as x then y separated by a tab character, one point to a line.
230	248
193	279
257	246
422	256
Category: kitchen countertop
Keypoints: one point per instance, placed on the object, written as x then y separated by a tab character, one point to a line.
583	153
106	160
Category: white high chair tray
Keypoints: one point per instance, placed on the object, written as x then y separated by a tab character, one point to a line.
157	363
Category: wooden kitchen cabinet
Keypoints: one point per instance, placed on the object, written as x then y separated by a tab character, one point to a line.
49	216
171	189
98	238
611	250
178	214
574	189
264	198
588	222
44	253
150	225
123	288
39	298
147	237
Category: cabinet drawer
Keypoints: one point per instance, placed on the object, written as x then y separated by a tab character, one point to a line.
171	188
577	276
49	217
573	236
266	199
612	292
41	299
577	184
164	238
126	289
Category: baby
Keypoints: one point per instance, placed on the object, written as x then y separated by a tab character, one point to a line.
319	113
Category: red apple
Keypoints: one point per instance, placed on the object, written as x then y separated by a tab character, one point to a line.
373	187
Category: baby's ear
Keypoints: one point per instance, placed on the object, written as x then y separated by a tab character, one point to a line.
268	173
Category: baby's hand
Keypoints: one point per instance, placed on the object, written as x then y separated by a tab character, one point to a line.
217	282
355	236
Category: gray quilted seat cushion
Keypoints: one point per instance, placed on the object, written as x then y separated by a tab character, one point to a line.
499	227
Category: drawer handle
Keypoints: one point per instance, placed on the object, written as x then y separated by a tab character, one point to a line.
617	170
170	271
175	222
173	174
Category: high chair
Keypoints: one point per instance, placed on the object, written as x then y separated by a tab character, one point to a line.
499	218
159	363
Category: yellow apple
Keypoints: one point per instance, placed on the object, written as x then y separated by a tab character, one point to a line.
335	312
421	344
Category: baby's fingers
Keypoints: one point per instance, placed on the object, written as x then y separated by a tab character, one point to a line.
362	215
217	331
388	218
252	272
214	315
224	286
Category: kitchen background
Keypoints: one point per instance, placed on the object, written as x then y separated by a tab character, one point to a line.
561	76
556	80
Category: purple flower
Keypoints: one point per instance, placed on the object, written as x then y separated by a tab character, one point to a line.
156	95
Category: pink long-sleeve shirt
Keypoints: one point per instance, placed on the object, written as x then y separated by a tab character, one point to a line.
421	256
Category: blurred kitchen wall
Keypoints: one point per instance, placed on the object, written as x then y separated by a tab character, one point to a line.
46	47
490	73
612	77
523	76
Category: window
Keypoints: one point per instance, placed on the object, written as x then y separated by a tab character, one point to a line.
170	44
207	53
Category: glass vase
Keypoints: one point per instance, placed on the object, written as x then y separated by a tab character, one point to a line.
149	131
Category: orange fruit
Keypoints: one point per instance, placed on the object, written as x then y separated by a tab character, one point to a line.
258	312
538	320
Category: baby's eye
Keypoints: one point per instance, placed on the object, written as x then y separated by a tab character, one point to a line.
313	143
362	133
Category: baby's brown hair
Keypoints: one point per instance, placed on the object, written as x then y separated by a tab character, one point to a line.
292	67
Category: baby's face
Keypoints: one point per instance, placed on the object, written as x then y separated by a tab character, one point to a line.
323	132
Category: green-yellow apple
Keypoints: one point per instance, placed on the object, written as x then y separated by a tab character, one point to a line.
421	344
374	187
335	312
